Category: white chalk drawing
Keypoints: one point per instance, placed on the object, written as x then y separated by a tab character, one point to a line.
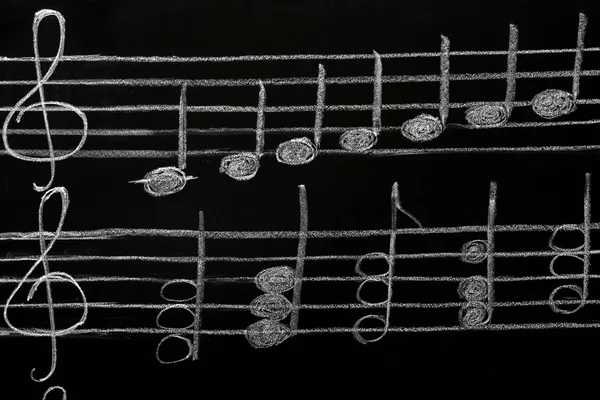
279	301
48	278
164	181
42	104
549	107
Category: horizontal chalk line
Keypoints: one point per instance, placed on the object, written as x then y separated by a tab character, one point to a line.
396	329
113	233
250	279
274	109
332	306
347	80
187	260
167	154
284	57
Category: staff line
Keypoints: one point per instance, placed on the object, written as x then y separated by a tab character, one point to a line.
275	109
333	257
396	329
345	80
114	233
286	57
330	306
165	154
247	279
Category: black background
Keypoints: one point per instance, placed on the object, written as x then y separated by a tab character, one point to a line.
344	192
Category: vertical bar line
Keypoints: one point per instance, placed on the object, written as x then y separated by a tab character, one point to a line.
182	149
199	284
579	55
320	106
260	119
511	69
302	242
445	80
377	93
491	247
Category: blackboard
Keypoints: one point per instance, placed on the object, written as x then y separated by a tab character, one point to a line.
538	175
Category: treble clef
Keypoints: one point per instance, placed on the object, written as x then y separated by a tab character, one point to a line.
41	105
47	278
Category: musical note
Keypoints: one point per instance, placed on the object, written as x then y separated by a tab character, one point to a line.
475	308
300	151
387	278
47	278
490	115
193	345
549	104
244	166
359	140
554	103
273	306
581	291
475	289
41	105
426	127
165	181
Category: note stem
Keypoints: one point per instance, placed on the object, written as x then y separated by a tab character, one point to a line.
319	114
445	80
260	119
200	269
492	210
579	55
377	93
587	247
182	148
300	259
511	69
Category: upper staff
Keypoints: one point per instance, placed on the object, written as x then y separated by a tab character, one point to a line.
550	105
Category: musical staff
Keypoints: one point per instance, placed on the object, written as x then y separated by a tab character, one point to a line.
550	105
475	298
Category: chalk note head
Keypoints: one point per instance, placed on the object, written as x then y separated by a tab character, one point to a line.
164	181
297	151
358	140
273	306
278	279
487	115
474	314
267	333
553	103
241	166
422	128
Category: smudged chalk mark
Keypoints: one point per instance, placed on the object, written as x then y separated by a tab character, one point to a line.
422	128
272	306
553	103
164	181
266	333
275	280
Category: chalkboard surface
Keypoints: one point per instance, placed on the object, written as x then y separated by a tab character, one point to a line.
504	209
